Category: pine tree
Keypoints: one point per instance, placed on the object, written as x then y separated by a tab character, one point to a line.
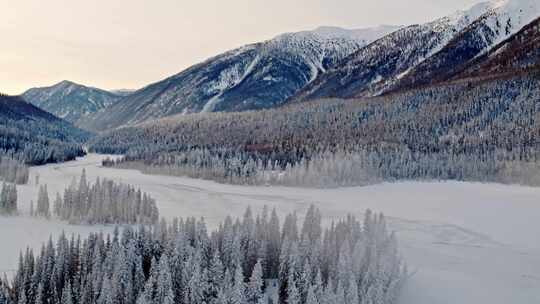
164	292
293	294
351	296
237	295
255	285
57	207
67	296
22	298
311	296
215	276
43	202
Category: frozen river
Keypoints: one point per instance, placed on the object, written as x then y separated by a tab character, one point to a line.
464	242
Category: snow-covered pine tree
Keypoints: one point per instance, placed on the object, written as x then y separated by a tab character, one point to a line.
43	208
255	285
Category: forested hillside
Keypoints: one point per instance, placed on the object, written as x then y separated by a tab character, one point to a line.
69	100
33	136
483	131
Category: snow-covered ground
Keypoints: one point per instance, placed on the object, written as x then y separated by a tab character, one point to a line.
464	242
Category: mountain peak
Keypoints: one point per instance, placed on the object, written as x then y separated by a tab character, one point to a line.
65	82
256	76
69	100
359	34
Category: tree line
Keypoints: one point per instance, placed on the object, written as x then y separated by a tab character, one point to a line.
250	260
103	202
482	132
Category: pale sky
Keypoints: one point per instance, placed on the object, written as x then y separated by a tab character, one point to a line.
115	44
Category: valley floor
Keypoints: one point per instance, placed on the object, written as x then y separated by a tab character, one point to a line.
464	242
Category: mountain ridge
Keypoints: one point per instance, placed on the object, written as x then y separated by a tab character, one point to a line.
254	76
70	100
420	54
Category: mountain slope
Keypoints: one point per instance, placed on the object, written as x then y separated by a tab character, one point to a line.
69	100
422	54
502	21
35	136
256	76
518	54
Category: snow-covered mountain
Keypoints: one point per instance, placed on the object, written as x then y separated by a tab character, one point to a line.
255	76
516	55
423	54
69	100
501	22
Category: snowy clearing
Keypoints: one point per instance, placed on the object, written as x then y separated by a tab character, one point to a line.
464	242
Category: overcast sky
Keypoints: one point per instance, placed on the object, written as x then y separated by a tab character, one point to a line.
115	44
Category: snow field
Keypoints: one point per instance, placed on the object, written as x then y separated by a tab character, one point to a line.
464	242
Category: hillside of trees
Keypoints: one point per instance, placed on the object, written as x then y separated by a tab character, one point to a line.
35	137
182	262
483	131
103	202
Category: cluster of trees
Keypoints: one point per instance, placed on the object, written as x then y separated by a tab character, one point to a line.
43	204
34	136
252	260
104	202
13	171
482	132
8	199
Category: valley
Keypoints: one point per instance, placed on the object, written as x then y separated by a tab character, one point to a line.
463	242
386	164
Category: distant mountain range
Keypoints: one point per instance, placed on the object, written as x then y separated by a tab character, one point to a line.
421	55
255	76
488	40
71	101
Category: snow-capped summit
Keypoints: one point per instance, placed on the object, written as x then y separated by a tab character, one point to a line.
255	76
507	17
499	21
423	54
367	34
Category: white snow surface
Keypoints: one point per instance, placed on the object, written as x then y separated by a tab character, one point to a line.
511	16
464	242
363	34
